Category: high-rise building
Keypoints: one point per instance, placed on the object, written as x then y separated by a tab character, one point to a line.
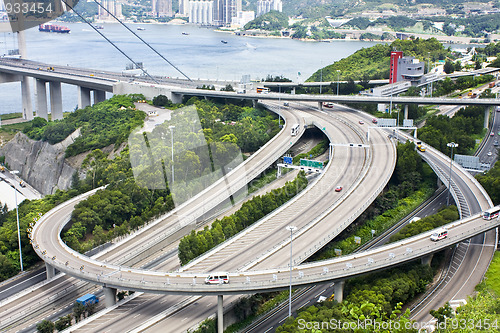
161	8
113	6
184	8
225	10
265	6
201	12
242	18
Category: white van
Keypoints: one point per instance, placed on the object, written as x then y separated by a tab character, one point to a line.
217	278
439	234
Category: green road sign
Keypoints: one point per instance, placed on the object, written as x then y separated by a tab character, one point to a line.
311	164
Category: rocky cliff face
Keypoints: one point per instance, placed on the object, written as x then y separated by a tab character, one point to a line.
39	163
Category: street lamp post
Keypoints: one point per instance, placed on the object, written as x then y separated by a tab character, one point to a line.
279	107
428	68
18	229
321	78
172	137
291	229
338	78
451	145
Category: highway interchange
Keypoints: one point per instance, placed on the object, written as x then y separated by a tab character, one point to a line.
280	259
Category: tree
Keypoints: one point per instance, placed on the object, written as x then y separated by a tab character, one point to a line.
63	322
90	309
228	87
45	326
162	100
78	311
449	67
442	313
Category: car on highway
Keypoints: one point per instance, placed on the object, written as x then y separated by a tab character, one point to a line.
495	143
361	122
490	153
338	189
492	134
439	234
374	120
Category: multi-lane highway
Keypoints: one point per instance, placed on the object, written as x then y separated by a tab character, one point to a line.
469	261
246	281
163	230
362	152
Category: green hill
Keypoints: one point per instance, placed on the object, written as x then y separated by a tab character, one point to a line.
270	21
373	62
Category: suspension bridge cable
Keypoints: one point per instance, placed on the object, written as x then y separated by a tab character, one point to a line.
109	41
142	40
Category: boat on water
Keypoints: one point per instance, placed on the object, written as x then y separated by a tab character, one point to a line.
99	26
54	28
185	33
223	42
141	28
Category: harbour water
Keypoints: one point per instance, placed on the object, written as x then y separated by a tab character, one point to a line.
198	52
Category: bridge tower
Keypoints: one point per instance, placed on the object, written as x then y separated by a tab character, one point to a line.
25	86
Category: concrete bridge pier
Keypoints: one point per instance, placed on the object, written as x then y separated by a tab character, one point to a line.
439	182
41	99
55	100
25	87
26	97
50	270
83	97
109	296
320	106
99	96
426	261
338	290
406	111
176	98
220	314
487	115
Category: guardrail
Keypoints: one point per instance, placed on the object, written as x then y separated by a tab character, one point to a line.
112	275
303	275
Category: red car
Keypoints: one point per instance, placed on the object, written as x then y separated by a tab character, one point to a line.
338	189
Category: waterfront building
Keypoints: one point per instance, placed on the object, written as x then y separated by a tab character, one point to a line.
161	8
225	10
242	18
113	6
265	6
201	12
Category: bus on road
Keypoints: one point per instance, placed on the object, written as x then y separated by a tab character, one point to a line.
262	90
295	129
491	213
